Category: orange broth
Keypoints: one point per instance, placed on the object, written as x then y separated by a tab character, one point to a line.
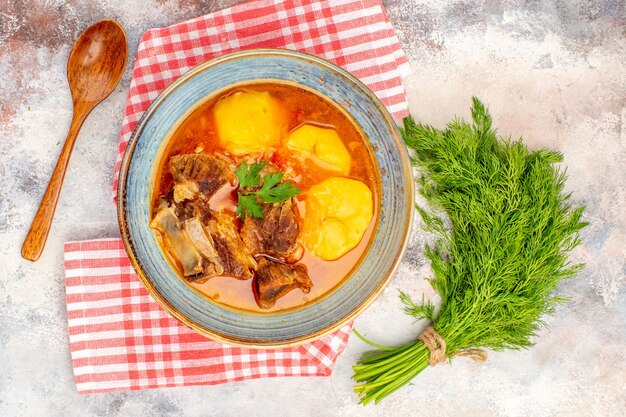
198	132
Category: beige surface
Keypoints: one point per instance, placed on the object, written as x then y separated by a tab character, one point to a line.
554	72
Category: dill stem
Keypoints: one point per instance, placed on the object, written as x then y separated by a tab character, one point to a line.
364	371
400	382
376	392
388	355
384	377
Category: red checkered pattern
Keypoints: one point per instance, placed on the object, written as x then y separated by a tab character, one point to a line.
121	339
354	34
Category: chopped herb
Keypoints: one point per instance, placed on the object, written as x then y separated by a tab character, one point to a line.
247	204
272	191
249	176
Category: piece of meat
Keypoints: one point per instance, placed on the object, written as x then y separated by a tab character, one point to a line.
189	243
208	172
195	232
166	222
189	209
185	190
275	234
275	279
234	255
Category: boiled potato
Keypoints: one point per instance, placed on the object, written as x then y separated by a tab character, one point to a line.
338	211
249	121
321	144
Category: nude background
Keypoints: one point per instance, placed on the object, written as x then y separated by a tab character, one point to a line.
551	71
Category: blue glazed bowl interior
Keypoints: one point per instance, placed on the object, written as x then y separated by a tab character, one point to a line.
284	327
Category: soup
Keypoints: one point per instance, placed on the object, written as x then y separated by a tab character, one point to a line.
266	197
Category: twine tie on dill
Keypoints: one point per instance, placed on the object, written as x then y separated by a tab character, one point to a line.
437	347
435	344
475	354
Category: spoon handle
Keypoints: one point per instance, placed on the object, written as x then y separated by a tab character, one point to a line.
38	233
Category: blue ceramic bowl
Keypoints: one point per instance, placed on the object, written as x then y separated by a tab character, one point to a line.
283	328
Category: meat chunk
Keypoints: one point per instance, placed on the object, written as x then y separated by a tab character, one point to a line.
275	234
197	235
206	171
189	243
274	279
166	222
189	209
185	190
233	254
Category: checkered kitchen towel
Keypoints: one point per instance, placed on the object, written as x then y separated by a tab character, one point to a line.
120	339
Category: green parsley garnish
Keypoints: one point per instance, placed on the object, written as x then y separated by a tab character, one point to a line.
248	204
249	176
272	191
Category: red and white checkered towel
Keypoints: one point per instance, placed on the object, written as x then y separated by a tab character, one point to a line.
120	339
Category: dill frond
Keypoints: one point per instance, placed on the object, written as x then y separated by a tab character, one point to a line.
419	311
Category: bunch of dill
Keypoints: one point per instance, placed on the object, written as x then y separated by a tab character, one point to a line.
497	266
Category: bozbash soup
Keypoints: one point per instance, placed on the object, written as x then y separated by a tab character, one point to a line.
266	197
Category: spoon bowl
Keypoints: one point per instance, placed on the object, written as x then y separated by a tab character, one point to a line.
94	69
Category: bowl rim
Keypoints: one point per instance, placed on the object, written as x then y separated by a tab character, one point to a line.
136	263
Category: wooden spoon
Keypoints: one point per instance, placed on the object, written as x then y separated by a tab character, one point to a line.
94	69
